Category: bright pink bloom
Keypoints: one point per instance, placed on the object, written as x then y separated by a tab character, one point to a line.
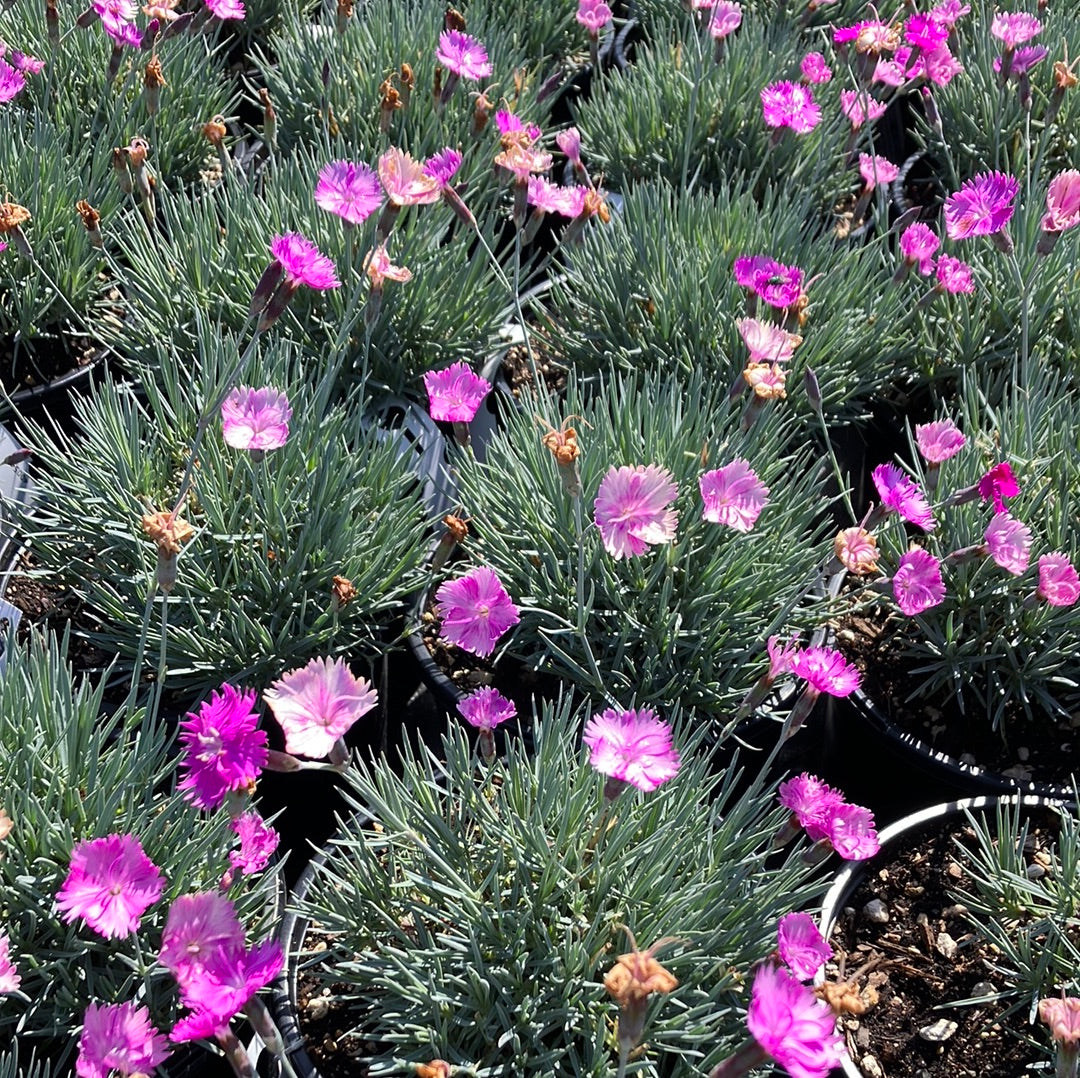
443	166
118	1038
826	670
594	15
954	276
1023	60
631	509
923	31
317	704
198	926
226	9
258	841
405	181
803	949
455	393
726	19
939	441
12	81
901	494
778	285
917	583
875	169
110	885
486	708
508	122
813	803
781	656
792	1025
733	495
255	419
1013	29
918	245
768	342
9	975
856	104
302	263
938	65
114	14
999	483
1009	543
126	35
982	206
851	832
463	55
790	104
1062	202
224	750
348	189
550	197
1059	583
890	72
475	610
632	746
814	68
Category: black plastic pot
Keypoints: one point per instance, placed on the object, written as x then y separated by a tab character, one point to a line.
918	185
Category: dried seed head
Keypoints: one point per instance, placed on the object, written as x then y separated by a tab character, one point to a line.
343	590
152	75
91	220
344	14
1064	77
631	981
408	80
168	533
454	20
215	130
456	527
12	215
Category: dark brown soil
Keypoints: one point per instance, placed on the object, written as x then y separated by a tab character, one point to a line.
49	358
926	957
519	372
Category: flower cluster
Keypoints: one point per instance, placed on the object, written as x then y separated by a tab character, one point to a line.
828	819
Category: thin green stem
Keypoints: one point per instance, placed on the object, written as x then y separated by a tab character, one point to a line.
140	650
516	291
695	92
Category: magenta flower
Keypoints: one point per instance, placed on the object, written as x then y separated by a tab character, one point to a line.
790	104
631	509
486	708
258	841
1014	28
1059	583
901	494
917	583
31	65
443	166
726	19
938	441
814	68
1009	543
1062	202
733	495
803	949
463	55
875	169
405	181
223	748
226	9
255	419
110	885
198	926
475	610
982	206
826	670
781	655
954	276
1022	61
118	1038
851	832
594	15
792	1025
318	704
454	394
302	263
350	190
12	81
632	746
9	975
772	281
813	803
768	342
998	483
924	31
918	245
856	106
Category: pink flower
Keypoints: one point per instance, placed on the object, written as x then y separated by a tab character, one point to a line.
126	34
733	495
726	19
463	55
1022	61
982	206
1063	1018
379	268
814	68
856	105
118	1038
454	394
223	748
767	380
998	483
405	181
851	832
443	166
948	12
226	9
923	31
939	66
569	141
1059	583
631	509
778	285
549	197
258	841
789	104
255	419
954	276
856	550
302	263
350	190
826	670
475	610
1062	202
110	885
875	169
486	708
781	655
29	64
9	975
918	245
902	495
317	704
12	81
768	342
198	926
1013	29
792	1025
521	160
939	441
508	122
1009	543
917	583
813	803
803	949
633	747
594	15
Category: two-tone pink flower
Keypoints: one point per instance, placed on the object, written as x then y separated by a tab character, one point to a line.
475	611
633	747
632	509
790	104
828	818
733	495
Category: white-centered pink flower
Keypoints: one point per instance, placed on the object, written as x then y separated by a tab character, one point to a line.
803	949
255	419
917	583
768	342
939	441
455	393
633	747
632	509
1059	582
1009	543
733	495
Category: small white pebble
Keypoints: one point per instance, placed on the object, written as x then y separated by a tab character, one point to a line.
871	1067
317	1009
945	945
1023	753
941	1030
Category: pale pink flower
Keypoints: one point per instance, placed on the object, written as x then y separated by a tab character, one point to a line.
875	169
812	801
803	949
631	509
998	483
633	747
118	1039
455	393
948	12
856	104
856	550
954	276
790	104
726	19
255	419
1063	1018
767	342
462	55
939	441
594	15
486	708
1009	543
1062	202
475	611
569	141
379	268
792	1025
1059	583
917	583
1014	28
901	494
767	380
733	495
349	190
550	197
317	704
875	37
982	206
918	244
9	975
301	262
889	72
826	670
814	68
851	832
226	9
781	655
405	181
197	927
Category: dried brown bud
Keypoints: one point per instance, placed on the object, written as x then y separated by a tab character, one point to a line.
1064	78
391	100
12	215
344	14
482	107
847	997
152	74
454	20
91	220
633	978
408	79
215	130
562	444
343	590
168	533
437	1068
135	152
5	825
456	527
